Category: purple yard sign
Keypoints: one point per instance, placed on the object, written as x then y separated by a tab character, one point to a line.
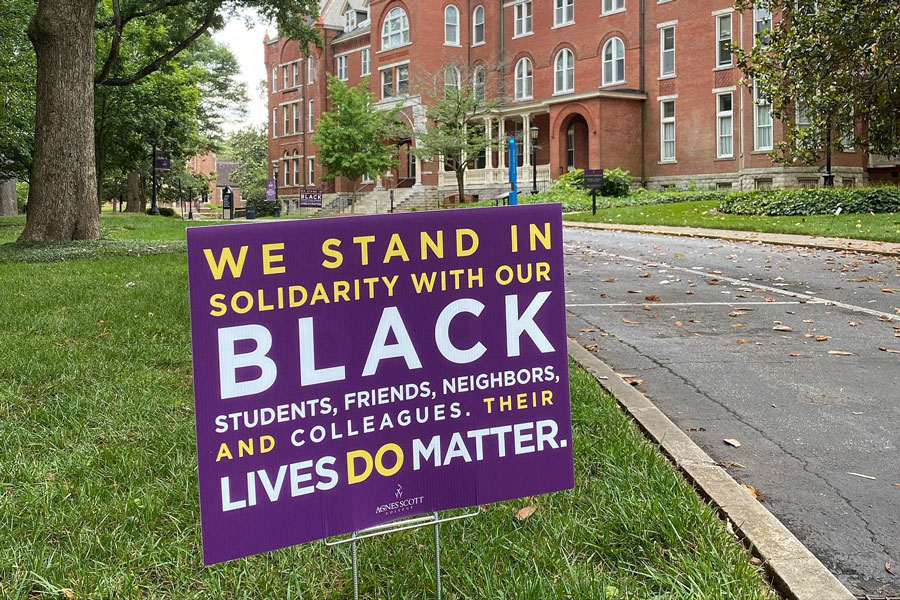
271	194
353	371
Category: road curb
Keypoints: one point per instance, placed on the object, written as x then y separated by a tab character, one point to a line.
795	571
803	241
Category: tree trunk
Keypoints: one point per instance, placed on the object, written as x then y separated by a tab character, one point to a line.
133	192
142	194
9	204
62	194
460	181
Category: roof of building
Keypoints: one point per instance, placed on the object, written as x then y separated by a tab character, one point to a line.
224	171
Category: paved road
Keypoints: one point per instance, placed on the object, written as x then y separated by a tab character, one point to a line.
694	322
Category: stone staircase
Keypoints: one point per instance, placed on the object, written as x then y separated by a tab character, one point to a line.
379	201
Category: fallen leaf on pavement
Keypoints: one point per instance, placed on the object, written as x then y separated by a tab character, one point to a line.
695	429
713	281
647	307
840	353
795	354
770	299
608	280
861	475
736	313
652	298
736	325
751	490
783	328
887	567
526	512
896	484
890	291
890	350
742	341
591	347
678	323
588	330
808	321
644	275
732	442
822	338
629	321
885	318
634	291
689	292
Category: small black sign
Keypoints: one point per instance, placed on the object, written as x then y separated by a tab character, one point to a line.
311	198
593	179
162	162
227	198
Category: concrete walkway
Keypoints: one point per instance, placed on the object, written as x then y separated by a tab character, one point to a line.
806	241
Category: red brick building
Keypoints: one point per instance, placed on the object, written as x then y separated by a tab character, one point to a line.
645	85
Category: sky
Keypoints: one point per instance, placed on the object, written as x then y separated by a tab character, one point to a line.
246	43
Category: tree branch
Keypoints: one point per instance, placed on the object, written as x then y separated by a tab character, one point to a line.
114	47
163	59
138	14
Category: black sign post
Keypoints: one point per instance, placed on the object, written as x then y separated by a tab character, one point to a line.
228	202
593	180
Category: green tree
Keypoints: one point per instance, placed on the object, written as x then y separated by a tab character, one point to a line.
16	90
826	66
351	138
455	130
250	147
79	45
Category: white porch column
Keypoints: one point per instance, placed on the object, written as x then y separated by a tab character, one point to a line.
489	134
501	155
418	164
526	140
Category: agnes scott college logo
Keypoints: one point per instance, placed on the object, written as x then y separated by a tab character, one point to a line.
399	506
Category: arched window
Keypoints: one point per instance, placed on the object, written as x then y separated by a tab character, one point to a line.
478	82
613	62
451	78
395	30
296	160
287	170
451	25
564	68
478	25
523	79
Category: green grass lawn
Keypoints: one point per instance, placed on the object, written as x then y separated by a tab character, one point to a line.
98	481
883	227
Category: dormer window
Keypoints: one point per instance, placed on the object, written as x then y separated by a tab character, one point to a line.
350	20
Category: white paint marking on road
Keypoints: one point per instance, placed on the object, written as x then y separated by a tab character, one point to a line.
774	290
633	304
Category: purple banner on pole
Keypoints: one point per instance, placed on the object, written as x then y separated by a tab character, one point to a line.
271	190
353	371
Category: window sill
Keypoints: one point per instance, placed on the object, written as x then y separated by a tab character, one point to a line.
564	93
476	44
516	37
612	12
725	158
453	44
612	84
761	152
563	25
724	67
667	162
524	99
392	48
664	77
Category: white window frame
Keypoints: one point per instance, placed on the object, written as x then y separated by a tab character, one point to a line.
395	37
311	116
563	12
524	19
387	77
350	20
611	7
296	160
720	64
275	122
663	122
310	70
284	74
287	169
341	67
800	110
296	108
567	84
295	73
663	51
365	57
274	79
757	105
451	25
452	78
611	75
402	82
724	116
479	82
478	22
761	15
524	88
311	170
286	118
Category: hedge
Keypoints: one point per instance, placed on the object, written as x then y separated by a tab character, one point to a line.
819	201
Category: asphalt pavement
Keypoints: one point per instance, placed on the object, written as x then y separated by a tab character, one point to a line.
794	354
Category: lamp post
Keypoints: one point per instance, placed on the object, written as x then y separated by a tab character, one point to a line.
534	139
276	211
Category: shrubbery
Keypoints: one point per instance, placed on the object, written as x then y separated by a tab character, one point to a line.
164	211
819	201
616	183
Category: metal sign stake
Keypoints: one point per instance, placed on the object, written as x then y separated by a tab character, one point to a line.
393	527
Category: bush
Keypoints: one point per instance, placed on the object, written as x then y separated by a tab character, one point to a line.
616	183
164	211
820	201
264	208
